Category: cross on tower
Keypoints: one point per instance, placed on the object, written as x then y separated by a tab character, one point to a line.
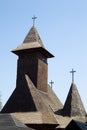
51	82
73	71
34	19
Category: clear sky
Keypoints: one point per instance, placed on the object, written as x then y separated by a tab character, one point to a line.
62	26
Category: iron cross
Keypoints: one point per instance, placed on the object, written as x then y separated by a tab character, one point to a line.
34	20
73	71
51	82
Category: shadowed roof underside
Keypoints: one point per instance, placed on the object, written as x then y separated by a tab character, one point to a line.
73	105
76	125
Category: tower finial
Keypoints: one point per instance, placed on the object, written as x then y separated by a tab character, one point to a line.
51	82
34	17
72	71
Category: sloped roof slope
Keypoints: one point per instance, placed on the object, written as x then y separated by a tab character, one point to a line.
32	42
20	101
33	36
8	122
30	99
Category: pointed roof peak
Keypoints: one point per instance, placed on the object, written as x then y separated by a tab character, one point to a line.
73	105
32	43
33	36
73	86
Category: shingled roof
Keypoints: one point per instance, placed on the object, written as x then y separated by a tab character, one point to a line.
33	36
32	42
44	104
73	105
9	122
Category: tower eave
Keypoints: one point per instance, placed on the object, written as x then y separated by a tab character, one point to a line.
28	50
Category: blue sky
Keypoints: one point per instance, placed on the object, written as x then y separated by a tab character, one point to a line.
62	26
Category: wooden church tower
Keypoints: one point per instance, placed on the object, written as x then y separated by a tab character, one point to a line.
33	60
33	101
